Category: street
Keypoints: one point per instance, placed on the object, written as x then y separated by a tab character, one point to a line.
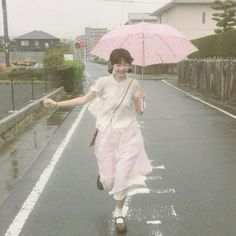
190	192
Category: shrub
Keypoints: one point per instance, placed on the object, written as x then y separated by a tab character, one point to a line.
220	45
53	60
70	76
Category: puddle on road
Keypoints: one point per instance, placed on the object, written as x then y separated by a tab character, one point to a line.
18	156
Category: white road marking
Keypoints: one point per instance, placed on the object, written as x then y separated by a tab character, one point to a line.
154	222
200	100
173	211
157	233
145	190
23	214
139	191
161	191
159	167
159	177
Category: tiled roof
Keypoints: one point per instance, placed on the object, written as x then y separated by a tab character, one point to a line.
37	35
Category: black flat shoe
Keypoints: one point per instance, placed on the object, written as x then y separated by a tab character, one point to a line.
99	184
121	226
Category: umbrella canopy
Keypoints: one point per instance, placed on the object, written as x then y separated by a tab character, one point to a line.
148	43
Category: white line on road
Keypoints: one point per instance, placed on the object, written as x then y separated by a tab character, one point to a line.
173	211
23	214
147	191
200	100
159	177
159	167
154	222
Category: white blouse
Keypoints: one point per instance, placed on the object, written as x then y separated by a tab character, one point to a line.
109	94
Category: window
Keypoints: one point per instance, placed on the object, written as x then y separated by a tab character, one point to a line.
204	17
36	43
46	45
24	43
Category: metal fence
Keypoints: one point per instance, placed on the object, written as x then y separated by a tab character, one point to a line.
213	77
15	94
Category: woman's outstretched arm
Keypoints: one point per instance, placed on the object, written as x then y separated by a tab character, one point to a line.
47	102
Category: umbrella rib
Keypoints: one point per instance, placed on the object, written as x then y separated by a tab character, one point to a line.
124	41
160	58
156	53
166	45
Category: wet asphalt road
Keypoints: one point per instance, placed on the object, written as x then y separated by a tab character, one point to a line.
191	190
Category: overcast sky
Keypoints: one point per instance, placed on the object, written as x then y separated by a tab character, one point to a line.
68	18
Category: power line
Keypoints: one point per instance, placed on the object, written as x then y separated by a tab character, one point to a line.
131	1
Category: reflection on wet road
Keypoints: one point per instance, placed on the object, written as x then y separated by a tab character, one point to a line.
19	155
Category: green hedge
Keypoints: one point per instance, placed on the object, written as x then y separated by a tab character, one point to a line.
217	45
70	76
26	74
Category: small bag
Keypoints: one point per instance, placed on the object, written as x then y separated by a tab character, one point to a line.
96	131
93	138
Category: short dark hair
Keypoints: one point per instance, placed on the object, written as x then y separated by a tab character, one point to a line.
120	54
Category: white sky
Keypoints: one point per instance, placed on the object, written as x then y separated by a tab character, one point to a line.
68	18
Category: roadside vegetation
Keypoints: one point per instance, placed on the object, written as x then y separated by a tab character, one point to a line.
54	69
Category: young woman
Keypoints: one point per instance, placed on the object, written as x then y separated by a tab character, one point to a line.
119	147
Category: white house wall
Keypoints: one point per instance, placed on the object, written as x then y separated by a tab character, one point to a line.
188	20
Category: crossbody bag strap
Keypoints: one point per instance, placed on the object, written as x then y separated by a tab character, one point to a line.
96	131
123	97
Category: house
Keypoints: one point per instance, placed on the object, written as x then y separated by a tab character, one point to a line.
139	17
35	41
191	17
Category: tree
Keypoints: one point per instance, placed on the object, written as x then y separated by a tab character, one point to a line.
65	47
226	20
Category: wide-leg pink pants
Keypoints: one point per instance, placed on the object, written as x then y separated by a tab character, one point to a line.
121	158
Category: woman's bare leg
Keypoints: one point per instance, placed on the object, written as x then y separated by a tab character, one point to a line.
120	203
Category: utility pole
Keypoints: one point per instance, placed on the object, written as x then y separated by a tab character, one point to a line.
6	37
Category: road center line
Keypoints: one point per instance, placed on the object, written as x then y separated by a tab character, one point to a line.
23	214
200	100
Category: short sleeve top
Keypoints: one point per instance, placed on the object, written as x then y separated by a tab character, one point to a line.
109	94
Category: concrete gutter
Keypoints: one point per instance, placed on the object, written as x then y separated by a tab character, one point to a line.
17	121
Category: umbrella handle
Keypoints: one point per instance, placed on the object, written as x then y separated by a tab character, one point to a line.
143	104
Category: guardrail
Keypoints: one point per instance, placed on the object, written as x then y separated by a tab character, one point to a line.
17	121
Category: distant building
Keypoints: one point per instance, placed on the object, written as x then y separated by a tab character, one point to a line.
92	35
191	17
35	41
139	17
79	48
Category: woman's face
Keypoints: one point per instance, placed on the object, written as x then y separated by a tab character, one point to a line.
120	69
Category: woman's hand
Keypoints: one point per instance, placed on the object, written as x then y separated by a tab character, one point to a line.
47	102
138	100
139	94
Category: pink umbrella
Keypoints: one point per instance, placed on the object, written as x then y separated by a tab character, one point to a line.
148	43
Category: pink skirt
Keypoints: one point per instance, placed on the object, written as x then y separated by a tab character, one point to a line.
121	157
